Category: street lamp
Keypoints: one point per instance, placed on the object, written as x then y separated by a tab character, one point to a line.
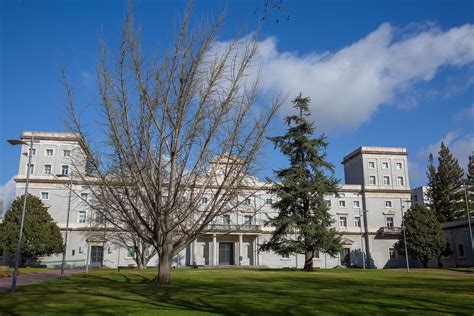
28	168
404	233
67	220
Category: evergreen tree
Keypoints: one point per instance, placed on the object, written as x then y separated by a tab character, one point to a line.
424	235
445	186
303	223
470	184
41	235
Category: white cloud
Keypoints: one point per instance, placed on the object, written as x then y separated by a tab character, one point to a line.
7	193
349	85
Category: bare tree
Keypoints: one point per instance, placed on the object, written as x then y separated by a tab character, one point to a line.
176	128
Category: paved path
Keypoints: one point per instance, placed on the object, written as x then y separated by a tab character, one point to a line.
25	279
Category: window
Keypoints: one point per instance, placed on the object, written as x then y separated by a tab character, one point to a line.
388	204
47	169
392	253
130	252
372	180
31	169
33	151
246	202
285	256
398	166
99	218
73	252
316	255
356	221
389	221
384	165
45	195
343	221
342	203
64	170
371	164
400	181
415	198
247	220
328	203
109	250
49	152
226	219
386	180
66	153
85	196
204	200
269	201
461	253
81	249
82	217
356	204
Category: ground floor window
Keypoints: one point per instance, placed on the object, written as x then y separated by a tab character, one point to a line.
392	253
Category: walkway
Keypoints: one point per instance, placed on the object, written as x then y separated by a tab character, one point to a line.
25	279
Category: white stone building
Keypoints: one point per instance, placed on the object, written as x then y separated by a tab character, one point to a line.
419	197
367	211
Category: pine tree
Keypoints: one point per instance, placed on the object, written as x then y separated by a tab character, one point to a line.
445	186
470	184
41	235
424	235
303	223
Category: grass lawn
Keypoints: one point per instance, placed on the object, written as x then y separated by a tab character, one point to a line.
8	272
247	292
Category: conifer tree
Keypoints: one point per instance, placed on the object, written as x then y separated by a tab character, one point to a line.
303	223
445	186
470	184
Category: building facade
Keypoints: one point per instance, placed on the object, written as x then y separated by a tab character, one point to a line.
367	211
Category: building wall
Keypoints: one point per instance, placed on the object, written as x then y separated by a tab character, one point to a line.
356	198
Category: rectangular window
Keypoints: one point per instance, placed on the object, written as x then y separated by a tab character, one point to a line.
109	250
73	252
99	218
45	195
400	181
31	169
269	201
388	204
389	221
356	204
342	203
415	198
316	255
386	180
64	170
47	169
398	166
33	151
66	153
356	221
372	180
328	203
392	253
371	164
130	252
246	202
204	200
49	152
461	253
81	249
247	220
85	196
226	219
82	217
343	221
285	256
384	165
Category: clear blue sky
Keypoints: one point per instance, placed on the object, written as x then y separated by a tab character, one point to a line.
383	73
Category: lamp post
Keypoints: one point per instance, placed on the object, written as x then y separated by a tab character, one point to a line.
361	220
468	218
404	234
67	220
20	236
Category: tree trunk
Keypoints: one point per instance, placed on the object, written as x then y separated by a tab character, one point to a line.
166	257
308	261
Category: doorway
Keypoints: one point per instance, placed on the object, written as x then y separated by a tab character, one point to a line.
226	254
345	257
97	256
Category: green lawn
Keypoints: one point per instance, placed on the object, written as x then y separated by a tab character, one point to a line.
247	292
6	272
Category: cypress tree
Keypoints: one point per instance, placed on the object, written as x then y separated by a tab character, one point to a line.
303	224
445	186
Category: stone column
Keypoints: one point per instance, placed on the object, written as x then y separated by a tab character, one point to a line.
214	250
241	253
194	257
